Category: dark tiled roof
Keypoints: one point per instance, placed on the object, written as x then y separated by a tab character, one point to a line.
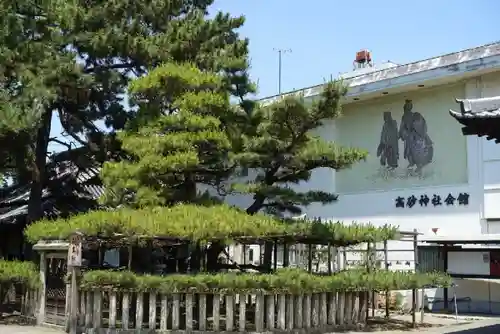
479	117
71	190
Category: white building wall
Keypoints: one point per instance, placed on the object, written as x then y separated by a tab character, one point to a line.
482	215
467	263
490	157
378	207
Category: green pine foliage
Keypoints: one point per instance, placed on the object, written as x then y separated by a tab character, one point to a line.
17	272
290	281
184	146
74	60
190	123
197	223
284	147
24	65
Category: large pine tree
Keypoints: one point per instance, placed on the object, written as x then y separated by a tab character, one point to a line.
202	140
187	144
76	58
283	147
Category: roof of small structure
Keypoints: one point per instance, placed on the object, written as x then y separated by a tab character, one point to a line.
479	117
480	239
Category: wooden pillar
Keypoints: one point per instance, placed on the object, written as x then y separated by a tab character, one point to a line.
270	311
275	255
242	313
345	258
202	312
67	306
259	313
125	309
422	312
74	302
329	259
42	298
445	290
286	255
386	265
414	294
336	259
368	268
309	258
372	253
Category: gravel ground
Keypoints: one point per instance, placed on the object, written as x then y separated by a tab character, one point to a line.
438	324
16	329
399	325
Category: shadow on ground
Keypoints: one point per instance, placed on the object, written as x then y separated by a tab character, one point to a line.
389	325
15	319
489	329
382	324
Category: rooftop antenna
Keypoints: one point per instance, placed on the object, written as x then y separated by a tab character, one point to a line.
280	53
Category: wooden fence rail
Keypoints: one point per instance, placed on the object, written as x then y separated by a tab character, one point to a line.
123	312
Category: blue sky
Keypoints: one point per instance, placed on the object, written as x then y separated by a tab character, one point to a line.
324	35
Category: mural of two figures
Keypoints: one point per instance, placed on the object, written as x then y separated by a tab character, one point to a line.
417	149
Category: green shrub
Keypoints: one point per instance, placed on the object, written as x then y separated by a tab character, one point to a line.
286	281
18	272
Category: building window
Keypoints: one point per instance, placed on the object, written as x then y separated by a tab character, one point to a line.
250	255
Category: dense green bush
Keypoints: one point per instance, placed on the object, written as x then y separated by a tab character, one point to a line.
17	272
285	280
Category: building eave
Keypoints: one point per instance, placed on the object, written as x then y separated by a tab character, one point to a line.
483	239
438	70
480	117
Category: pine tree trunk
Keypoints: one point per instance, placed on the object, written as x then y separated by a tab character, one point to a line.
39	174
268	245
213	253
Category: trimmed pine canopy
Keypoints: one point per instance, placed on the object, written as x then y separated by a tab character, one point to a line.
195	223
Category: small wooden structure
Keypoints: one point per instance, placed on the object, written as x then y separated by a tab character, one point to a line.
109	311
106	310
53	306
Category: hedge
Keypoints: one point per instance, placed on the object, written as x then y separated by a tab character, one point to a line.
292	281
17	272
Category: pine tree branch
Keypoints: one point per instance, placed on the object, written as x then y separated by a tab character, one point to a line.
60	142
270	177
259	197
282	207
100	68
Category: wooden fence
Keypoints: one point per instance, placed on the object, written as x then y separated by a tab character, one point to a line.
116	312
18	300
